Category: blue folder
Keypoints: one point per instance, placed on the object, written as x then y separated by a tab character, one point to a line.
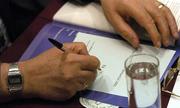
64	32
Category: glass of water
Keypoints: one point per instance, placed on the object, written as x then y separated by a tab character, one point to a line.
143	82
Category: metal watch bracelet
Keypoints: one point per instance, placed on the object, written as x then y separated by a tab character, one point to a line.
14	80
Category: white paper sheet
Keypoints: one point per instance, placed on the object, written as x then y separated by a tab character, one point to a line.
112	54
90	15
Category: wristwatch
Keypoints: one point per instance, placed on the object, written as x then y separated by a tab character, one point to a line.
15	80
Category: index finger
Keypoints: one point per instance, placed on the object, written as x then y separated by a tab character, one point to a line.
86	62
76	47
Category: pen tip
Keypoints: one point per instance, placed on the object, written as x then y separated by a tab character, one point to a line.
99	69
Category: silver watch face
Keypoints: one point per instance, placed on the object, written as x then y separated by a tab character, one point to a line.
15	79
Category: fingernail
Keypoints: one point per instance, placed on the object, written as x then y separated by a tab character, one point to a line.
167	42
176	35
172	42
158	44
135	43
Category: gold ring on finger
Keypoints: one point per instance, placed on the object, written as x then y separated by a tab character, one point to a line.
161	5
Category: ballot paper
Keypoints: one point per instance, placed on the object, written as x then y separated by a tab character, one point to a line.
112	54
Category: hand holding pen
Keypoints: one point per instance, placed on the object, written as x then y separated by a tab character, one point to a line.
78	47
59	74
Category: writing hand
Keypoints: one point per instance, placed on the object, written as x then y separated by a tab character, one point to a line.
58	75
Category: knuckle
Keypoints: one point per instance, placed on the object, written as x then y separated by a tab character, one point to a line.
70	71
158	16
82	44
150	25
150	22
85	59
70	57
96	61
127	35
69	75
124	32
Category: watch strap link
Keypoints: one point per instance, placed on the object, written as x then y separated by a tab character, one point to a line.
15	80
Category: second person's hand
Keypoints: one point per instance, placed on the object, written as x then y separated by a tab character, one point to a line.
156	18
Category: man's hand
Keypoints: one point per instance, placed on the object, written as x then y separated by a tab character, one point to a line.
157	20
58	75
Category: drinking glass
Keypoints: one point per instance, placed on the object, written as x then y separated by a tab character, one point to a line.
143	82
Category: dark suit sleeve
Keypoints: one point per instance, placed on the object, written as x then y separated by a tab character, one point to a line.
18	14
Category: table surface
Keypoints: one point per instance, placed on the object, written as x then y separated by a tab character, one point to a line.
12	55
